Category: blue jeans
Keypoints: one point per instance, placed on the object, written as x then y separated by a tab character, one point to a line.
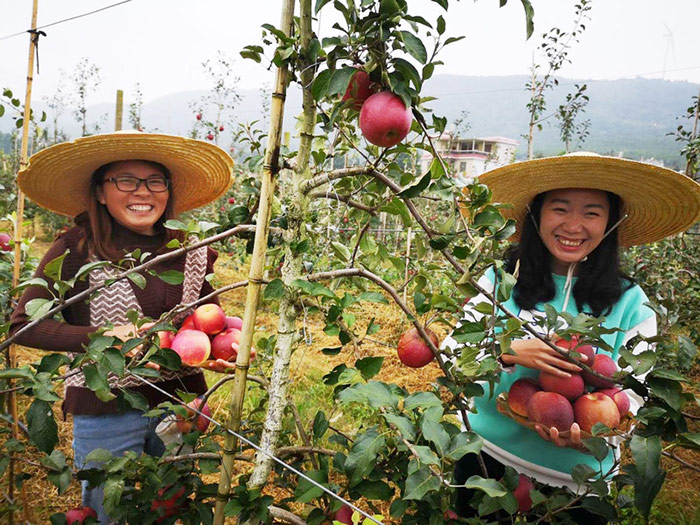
117	433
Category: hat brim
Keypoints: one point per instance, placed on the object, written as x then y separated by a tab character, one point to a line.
658	201
58	177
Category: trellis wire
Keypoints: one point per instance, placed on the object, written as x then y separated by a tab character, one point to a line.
259	449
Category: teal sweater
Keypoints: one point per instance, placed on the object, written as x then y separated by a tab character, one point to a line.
525	444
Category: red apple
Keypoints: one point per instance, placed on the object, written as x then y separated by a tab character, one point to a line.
187	323
198	116
570	387
225	344
234	322
5	240
522	493
344	515
450	515
210	136
186	425
385	120
551	410
78	516
604	365
620	397
413	350
520	393
231	200
595	408
359	89
209	318
574	346
165	338
192	346
221	128
170	506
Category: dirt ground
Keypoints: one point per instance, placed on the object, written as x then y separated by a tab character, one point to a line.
680	491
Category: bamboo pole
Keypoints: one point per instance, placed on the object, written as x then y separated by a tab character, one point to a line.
11	357
692	137
270	170
287	336
119	110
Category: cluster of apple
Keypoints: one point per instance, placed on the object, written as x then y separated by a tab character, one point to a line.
207	333
558	402
384	118
80	515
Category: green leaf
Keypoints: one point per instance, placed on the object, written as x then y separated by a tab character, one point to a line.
666	373
138	279
416	189
363	455
423	400
319	5
341	251
319	88
398	207
171	277
53	268
374	393
99	455
464	443
529	18
38	307
436	434
601	507
668	390
426	456
369	366
306	491
23	372
314	288
114	361
414	46
42	427
490	486
85	269
340	79
274	290
646	471
403	424
598	447
52	362
376	490
372	297
135	400
321	424
641	362
420	483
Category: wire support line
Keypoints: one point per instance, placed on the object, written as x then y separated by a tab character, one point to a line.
67	19
259	449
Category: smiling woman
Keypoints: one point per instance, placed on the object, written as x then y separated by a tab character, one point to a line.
121	188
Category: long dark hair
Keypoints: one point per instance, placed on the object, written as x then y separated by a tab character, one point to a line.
97	223
600	282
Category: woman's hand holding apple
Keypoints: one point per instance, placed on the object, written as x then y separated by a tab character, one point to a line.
533	353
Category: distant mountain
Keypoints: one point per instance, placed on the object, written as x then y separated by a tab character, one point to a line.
628	117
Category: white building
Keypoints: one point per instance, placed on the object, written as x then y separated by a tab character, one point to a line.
468	158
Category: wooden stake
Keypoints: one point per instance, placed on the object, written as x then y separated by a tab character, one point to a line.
692	137
270	170
11	357
119	111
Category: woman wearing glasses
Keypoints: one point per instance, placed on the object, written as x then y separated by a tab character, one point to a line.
120	188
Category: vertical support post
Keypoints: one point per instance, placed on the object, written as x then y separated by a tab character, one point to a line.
11	357
119	110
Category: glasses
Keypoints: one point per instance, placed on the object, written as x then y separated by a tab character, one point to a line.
131	184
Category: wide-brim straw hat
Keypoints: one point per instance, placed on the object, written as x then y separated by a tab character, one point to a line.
658	201
58	178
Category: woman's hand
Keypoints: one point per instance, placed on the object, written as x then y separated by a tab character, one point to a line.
573	441
534	353
217	365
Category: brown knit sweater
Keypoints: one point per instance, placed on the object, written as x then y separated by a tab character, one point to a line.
71	336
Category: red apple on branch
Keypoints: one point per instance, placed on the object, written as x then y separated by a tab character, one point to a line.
605	366
522	493
344	515
385	120
359	89
78	516
187	424
413	350
5	240
170	506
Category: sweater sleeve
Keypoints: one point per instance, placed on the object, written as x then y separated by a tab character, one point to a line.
49	334
207	288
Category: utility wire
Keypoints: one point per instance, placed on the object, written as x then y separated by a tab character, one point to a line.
256	447
68	19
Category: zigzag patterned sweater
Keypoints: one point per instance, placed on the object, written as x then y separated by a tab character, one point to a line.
71	336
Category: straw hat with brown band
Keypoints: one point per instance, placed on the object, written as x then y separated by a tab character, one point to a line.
658	202
58	178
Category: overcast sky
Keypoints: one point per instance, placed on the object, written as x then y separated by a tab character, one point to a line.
162	43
